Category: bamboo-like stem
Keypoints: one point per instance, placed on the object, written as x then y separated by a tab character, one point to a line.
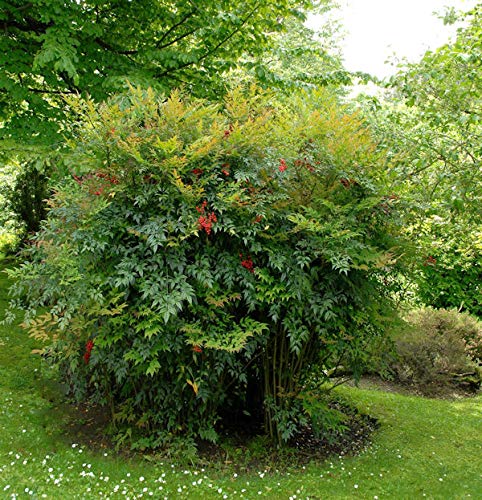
267	410
274	368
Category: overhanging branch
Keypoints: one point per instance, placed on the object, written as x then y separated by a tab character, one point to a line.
216	47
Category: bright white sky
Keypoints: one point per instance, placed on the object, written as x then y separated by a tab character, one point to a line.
379	29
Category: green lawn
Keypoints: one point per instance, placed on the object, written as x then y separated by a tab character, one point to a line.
424	448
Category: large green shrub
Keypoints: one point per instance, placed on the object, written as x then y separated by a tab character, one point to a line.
205	260
439	348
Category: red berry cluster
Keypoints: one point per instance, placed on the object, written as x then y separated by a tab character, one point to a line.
88	349
247	263
197	348
205	221
282	165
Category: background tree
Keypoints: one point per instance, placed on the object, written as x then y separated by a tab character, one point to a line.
431	121
297	58
54	50
50	49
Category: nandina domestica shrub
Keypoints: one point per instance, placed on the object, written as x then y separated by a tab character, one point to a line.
204	261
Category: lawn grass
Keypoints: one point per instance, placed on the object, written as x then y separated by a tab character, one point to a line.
423	448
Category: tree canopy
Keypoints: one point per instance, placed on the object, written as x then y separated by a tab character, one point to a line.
430	122
444	90
52	48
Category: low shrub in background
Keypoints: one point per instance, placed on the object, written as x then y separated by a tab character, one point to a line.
439	347
203	261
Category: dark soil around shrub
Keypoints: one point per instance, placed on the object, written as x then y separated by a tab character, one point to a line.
245	450
88	426
241	447
351	441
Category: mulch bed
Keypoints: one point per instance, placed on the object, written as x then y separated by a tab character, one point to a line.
89	423
88	426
